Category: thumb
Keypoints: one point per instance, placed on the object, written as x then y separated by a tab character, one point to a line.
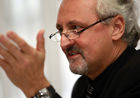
40	41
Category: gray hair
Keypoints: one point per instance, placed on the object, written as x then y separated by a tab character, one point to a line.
127	9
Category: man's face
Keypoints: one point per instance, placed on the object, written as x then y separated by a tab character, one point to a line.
88	53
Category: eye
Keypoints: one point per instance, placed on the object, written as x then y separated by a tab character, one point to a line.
75	27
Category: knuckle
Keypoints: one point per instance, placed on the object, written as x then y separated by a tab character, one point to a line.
23	44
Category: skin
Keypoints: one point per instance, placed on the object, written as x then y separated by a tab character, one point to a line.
101	45
97	47
24	65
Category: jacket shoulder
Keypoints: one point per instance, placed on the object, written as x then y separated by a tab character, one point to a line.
126	82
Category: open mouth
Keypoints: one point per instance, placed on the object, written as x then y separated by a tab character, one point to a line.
73	53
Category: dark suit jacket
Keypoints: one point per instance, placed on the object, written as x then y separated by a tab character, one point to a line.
121	80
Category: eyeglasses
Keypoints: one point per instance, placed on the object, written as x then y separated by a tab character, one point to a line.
73	34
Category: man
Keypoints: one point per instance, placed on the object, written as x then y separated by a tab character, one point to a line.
98	38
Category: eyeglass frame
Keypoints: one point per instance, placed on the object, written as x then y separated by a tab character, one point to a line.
79	32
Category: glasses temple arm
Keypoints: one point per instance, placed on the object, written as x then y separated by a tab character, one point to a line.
95	23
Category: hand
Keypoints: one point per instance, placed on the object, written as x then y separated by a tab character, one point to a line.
23	64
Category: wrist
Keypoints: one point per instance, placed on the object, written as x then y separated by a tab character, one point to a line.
48	92
30	92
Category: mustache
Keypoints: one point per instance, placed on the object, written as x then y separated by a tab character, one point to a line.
75	48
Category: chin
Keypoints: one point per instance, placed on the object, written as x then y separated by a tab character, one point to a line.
78	66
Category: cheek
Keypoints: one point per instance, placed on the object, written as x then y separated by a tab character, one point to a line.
94	46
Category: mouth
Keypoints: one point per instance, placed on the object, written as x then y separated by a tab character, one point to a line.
73	54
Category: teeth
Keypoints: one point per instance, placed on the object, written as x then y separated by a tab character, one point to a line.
73	53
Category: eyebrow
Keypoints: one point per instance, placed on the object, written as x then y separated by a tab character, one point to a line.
76	22
71	23
58	26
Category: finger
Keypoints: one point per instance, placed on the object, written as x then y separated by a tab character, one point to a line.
9	46
7	57
20	42
40	41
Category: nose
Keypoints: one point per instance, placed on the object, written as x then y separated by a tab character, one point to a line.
65	42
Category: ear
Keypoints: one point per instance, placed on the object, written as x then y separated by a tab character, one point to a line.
118	24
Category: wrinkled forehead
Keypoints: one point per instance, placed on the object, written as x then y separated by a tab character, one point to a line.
76	9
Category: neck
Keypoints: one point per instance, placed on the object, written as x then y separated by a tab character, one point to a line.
118	48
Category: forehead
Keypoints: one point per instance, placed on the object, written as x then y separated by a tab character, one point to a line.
79	10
